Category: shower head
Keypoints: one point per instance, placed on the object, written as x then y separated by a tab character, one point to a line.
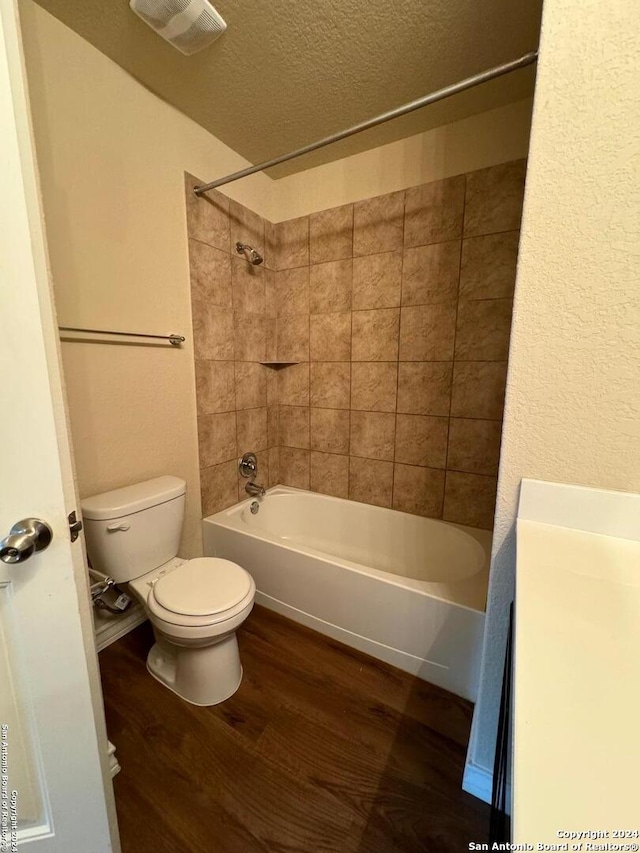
250	253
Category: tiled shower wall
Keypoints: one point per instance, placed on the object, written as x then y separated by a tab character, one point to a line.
397	310
235	393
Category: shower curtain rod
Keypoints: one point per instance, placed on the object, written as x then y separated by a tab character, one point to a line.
439	95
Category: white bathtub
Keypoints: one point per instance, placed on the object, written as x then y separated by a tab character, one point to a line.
408	590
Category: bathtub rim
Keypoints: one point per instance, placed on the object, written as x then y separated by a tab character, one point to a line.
428	589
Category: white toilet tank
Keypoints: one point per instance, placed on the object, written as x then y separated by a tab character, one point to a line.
132	530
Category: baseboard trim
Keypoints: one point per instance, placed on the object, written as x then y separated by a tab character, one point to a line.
478	782
109	632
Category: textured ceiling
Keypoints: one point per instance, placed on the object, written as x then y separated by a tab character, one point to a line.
285	73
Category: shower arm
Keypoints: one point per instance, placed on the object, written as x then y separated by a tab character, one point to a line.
438	95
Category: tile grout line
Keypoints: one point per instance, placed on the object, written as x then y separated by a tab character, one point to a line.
353	248
455	335
395	433
308	407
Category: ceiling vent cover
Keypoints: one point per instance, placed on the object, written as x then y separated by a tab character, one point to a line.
189	25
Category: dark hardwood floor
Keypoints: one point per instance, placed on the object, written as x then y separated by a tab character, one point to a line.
321	749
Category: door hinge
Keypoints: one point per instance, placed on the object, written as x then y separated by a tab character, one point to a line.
75	526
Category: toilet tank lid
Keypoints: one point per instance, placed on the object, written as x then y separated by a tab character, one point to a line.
134	498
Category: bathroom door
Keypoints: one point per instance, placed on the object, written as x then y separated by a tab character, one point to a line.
55	789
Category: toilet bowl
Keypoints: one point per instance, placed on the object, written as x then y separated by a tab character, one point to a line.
195	606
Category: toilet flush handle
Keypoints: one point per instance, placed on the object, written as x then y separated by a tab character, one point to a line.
113	527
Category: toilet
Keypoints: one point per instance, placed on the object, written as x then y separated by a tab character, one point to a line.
195	606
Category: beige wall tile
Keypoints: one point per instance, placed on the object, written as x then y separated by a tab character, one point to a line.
378	224
245	226
329	474
421	440
293	338
433	212
217	438
427	333
330	384
294	467
292	241
488	268
424	388
247	283
270	293
213	332
218	485
331	234
210	271
207	216
374	385
273	431
418	490
271	379
331	336
274	466
330	286
474	446
377	280
330	430
294	426
372	435
478	389
215	387
370	481
251	385
375	334
252	430
250	337
270	339
293	385
430	274
483	330
270	245
494	199
470	499
292	291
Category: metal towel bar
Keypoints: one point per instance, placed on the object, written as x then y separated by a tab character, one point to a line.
174	340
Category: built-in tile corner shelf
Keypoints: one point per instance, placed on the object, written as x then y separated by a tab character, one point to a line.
277	364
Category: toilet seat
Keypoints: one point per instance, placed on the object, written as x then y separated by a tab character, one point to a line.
200	592
202	587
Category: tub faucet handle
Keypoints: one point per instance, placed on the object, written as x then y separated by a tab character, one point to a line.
248	465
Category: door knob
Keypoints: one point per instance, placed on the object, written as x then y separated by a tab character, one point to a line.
25	537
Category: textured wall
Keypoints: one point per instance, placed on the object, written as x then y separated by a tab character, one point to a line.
398	311
573	403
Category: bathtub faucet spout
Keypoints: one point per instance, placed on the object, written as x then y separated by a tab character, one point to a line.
254	489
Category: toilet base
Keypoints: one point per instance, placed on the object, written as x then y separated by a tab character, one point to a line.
205	675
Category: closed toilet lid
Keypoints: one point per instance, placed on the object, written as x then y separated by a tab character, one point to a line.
202	587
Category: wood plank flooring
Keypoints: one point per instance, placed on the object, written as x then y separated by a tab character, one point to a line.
322	750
